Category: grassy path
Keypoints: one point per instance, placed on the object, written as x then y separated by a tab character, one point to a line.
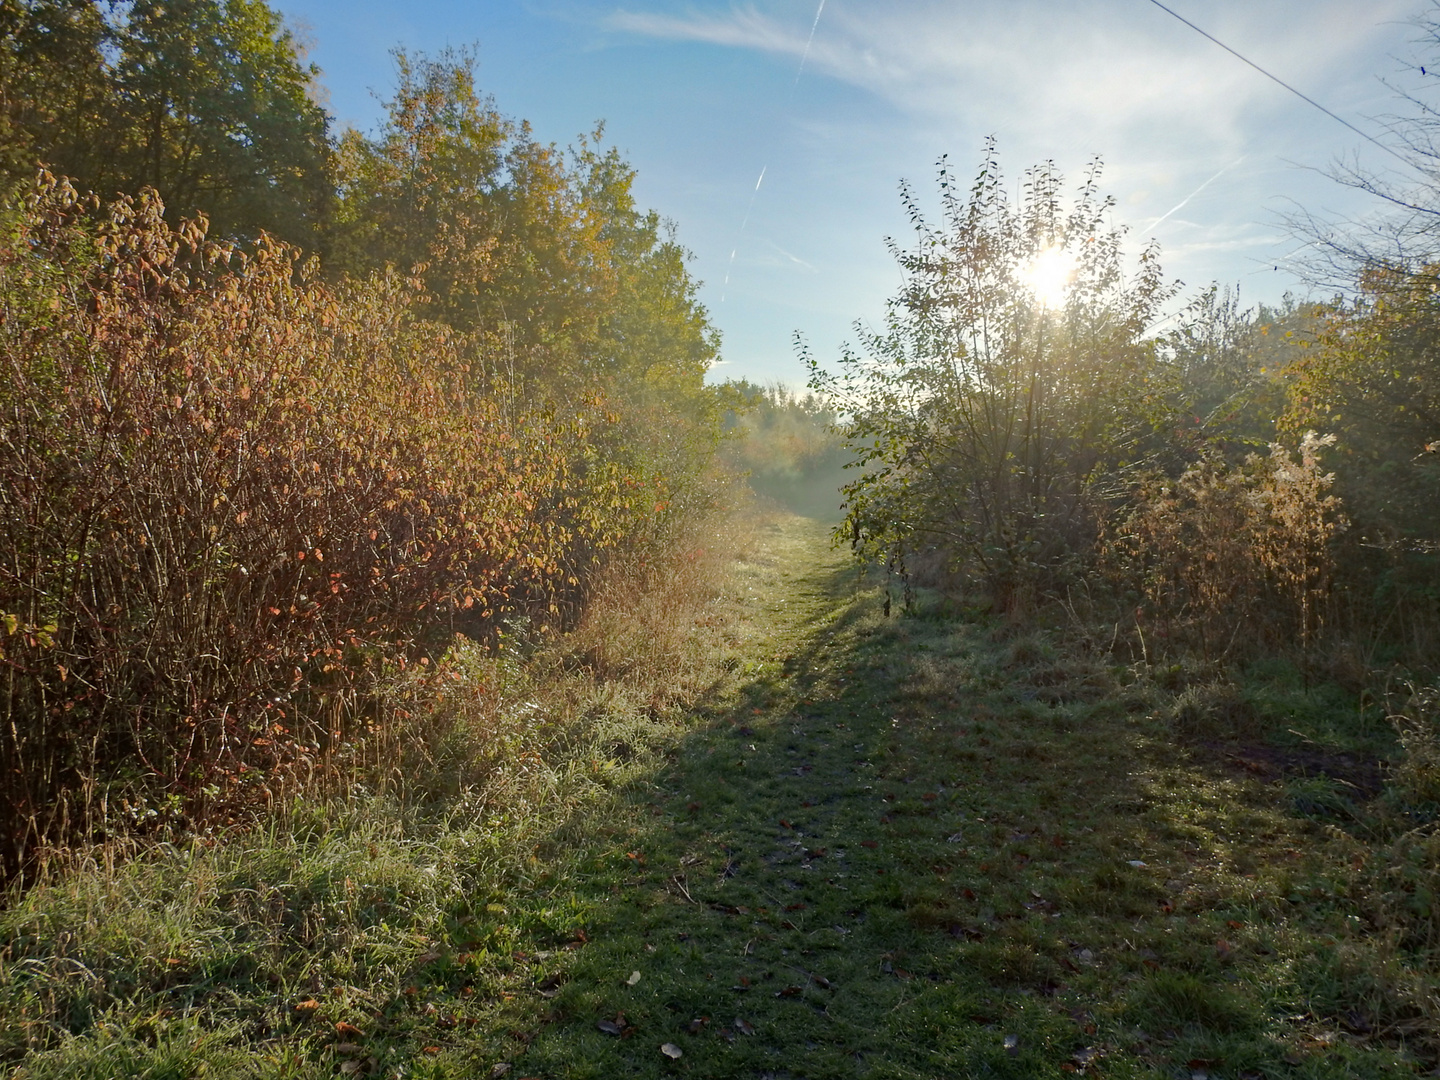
880	847
910	848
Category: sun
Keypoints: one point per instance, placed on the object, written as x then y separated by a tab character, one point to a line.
1048	276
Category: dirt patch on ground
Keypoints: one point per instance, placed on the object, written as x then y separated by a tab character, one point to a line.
1366	776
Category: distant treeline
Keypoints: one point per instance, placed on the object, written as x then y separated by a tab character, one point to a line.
284	407
789	445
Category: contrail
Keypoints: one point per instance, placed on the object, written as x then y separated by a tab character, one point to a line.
810	41
804	56
743	222
1181	204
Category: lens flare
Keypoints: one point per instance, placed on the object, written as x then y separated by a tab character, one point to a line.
1048	276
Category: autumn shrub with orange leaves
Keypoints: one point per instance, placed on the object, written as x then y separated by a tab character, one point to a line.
234	497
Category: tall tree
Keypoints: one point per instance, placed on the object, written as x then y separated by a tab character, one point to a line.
541	249
56	95
218	117
421	193
207	101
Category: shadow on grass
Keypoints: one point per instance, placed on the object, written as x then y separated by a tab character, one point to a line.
903	847
915	847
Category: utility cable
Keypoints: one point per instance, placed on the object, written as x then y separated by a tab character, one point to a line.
1276	79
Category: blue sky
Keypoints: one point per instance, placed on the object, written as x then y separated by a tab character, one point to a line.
1200	151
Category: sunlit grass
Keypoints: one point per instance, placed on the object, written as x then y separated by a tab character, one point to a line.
868	846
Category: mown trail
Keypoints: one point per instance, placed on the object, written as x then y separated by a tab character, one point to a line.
919	846
906	847
760	888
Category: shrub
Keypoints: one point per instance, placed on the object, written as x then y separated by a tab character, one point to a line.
1227	556
990	404
232	495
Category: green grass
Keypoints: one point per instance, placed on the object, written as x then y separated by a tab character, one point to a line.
868	847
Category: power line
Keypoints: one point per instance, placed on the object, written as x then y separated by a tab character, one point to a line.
1276	79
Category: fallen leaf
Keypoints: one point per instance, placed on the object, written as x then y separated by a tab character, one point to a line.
789	991
307	1007
609	1027
698	1024
348	1031
869	843
744	1027
500	1070
430	1049
672	1051
1012	1045
1139	864
347	1048
633	979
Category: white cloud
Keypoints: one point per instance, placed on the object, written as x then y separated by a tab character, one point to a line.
1104	72
743	28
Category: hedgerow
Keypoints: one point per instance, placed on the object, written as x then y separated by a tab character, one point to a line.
235	499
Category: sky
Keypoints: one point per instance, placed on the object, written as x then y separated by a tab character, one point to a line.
835	103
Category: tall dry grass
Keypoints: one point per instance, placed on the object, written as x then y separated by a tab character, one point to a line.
1230	557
